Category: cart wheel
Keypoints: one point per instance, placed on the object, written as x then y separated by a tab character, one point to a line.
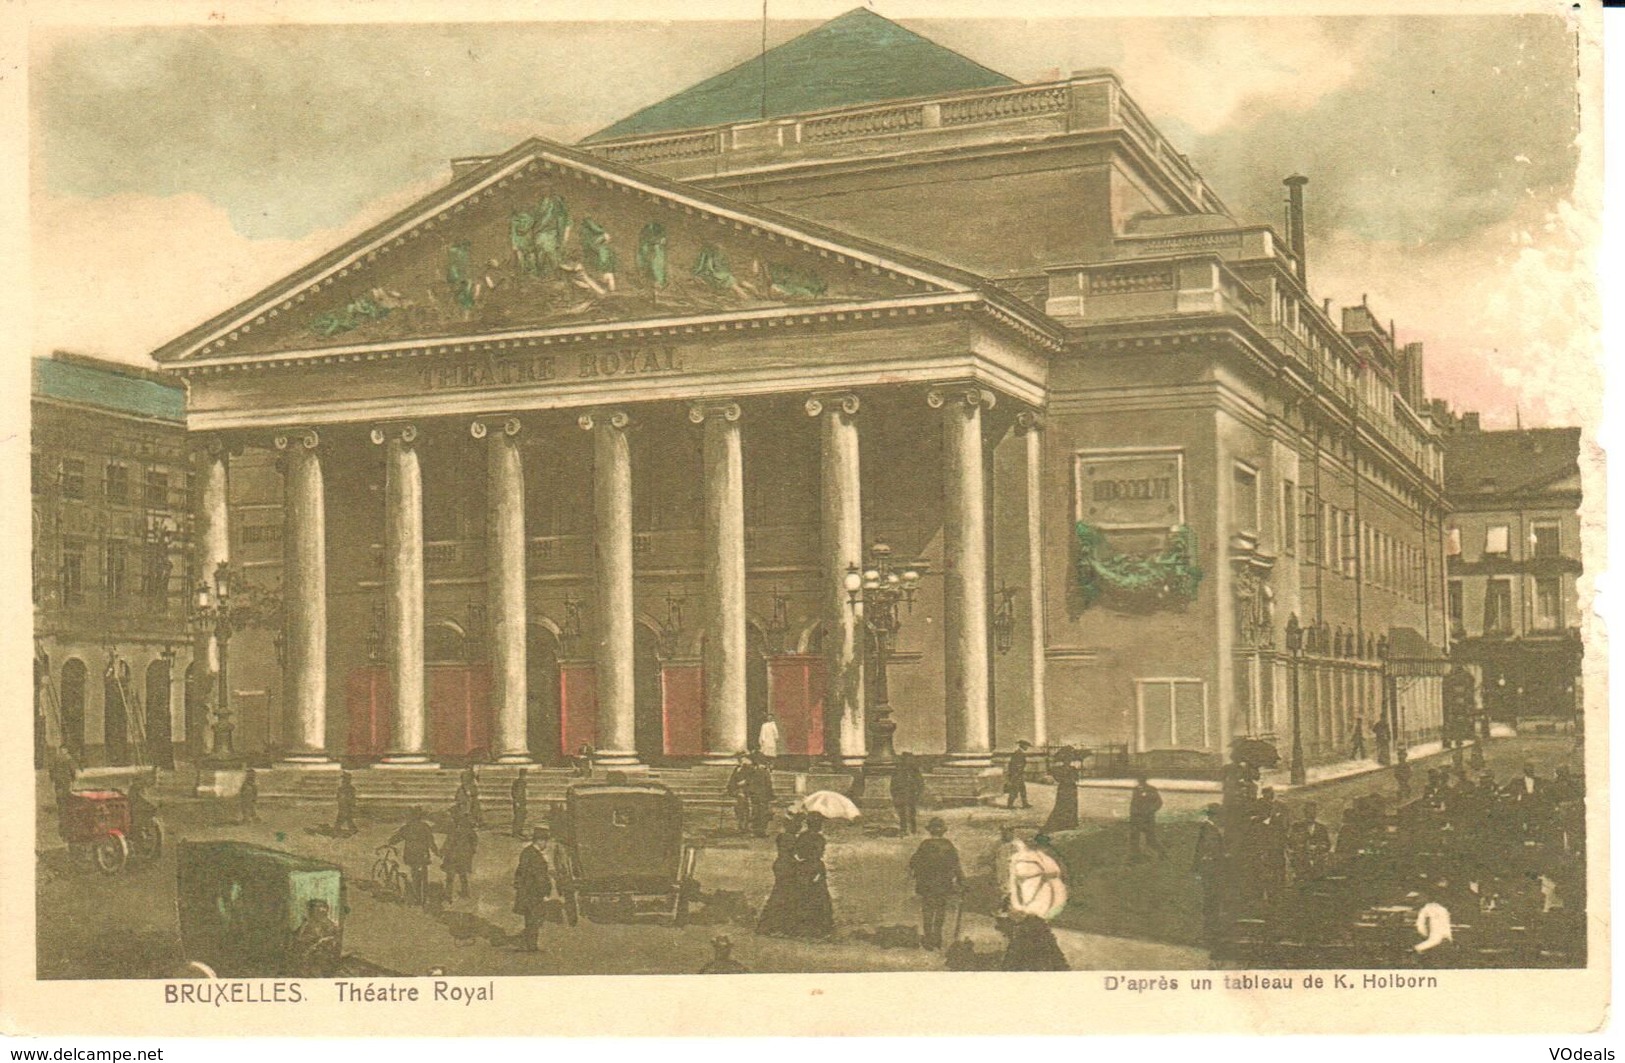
111	853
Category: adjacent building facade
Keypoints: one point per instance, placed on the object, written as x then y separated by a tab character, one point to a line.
111	512
1515	563
580	449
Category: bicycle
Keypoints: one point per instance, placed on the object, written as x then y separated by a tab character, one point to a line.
387	873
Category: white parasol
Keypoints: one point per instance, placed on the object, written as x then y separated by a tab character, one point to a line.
1036	885
828	804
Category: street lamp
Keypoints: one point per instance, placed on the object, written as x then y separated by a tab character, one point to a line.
879	589
1294	645
212	615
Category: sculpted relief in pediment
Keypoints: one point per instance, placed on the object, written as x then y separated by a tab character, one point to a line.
555	251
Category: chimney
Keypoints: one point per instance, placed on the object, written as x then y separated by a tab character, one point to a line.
1469	422
1294	223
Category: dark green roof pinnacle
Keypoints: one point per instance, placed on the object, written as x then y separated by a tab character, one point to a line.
859	57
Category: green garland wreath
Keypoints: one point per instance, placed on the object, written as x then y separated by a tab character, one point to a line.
1172	572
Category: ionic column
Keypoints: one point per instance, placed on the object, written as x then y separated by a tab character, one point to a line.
505	585
1029	426
214	550
612	531
842	545
304	596
403	591
725	632
965	611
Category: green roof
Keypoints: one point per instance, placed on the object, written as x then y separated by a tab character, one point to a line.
856	58
109	388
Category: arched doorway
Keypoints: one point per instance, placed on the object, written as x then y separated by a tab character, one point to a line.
457	690
115	721
757	705
160	744
648	716
542	735
73	707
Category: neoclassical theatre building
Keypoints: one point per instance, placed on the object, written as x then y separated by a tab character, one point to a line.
579	449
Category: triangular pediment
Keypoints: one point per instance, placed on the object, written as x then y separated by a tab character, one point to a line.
547	237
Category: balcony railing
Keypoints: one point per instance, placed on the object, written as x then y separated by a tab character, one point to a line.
1084	103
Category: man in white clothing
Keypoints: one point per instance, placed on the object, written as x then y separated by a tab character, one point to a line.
767	739
1433	924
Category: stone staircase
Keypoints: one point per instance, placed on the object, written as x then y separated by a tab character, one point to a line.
701	788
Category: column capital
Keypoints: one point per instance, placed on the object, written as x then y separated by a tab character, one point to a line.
968	396
727	409
1029	421
215	446
845	402
606	418
291	437
505	424
404	431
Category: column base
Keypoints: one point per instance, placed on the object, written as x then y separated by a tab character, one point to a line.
617	760
717	760
966	763
309	762
515	758
419	761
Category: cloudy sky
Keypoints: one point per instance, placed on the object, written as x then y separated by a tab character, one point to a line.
177	170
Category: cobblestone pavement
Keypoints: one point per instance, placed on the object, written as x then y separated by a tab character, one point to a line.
125	925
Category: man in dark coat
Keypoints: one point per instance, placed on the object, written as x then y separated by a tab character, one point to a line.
1030	945
344	821
519	796
471	783
739	789
64	770
1380	735
907	787
1212	870
248	797
937	876
1309	846
416	839
722	960
1015	776
1143	805
532	886
1265	839
316	944
759	784
457	856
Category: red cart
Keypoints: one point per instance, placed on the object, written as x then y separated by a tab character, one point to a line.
96	823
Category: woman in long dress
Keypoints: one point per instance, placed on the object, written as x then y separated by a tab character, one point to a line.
816	917
779	913
1065	771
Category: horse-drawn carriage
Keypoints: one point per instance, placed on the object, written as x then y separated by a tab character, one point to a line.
622	853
